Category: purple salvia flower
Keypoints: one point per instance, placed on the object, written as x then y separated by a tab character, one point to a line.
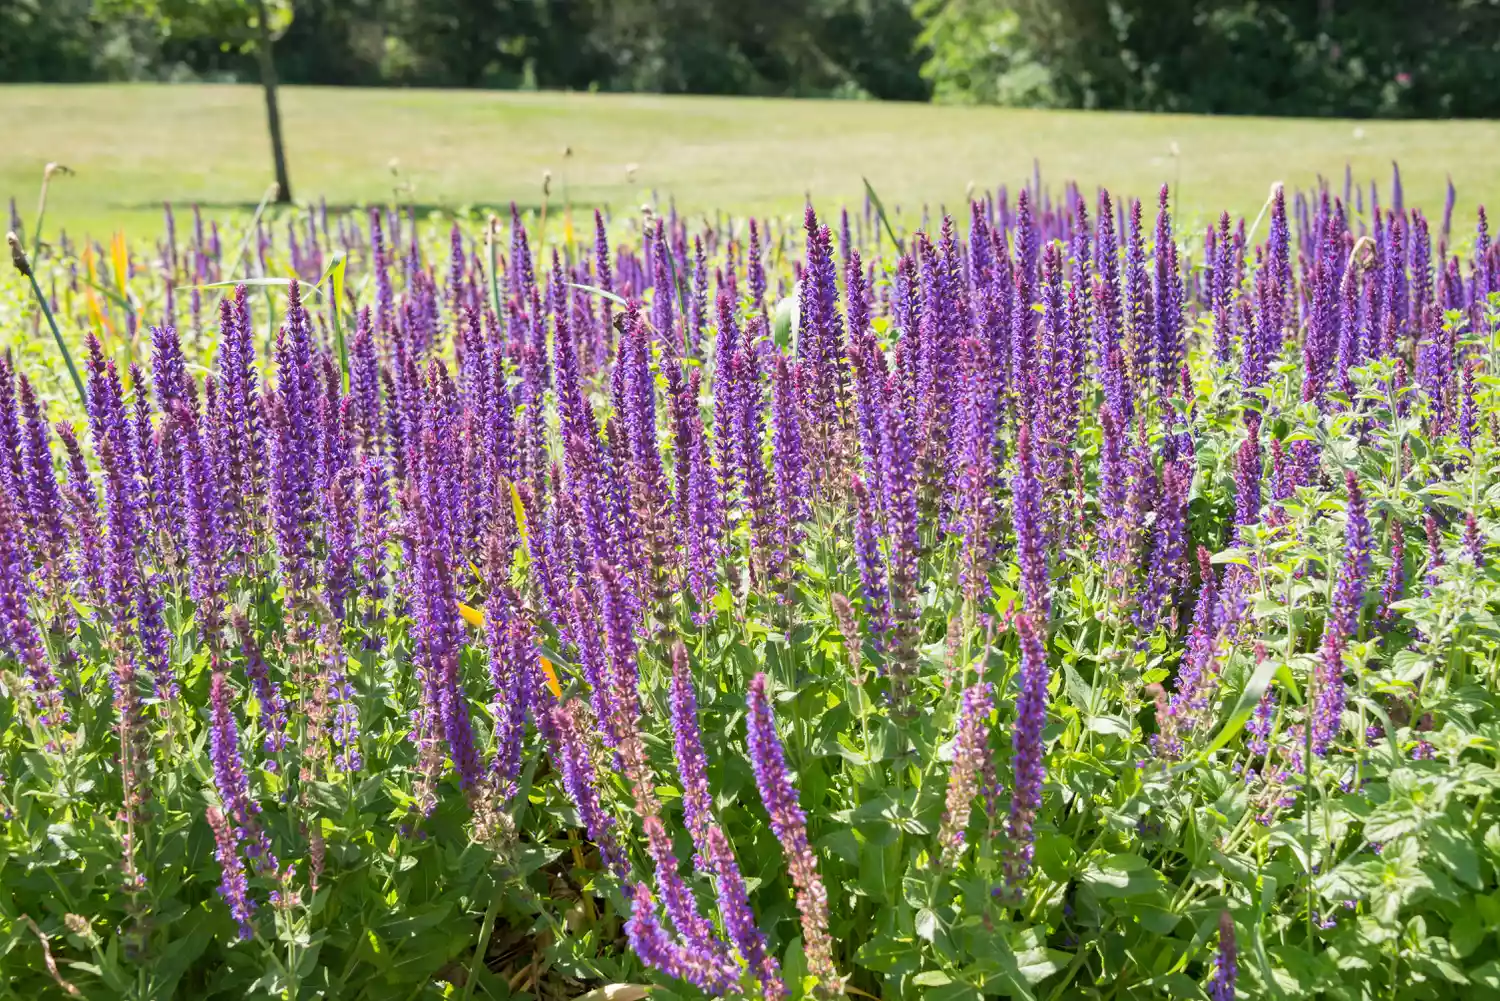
705	961
439	636
288	514
1342	622
234	885
756	274
898	472
1027	750
1168	547
1349	589
648	939
789	464
508	635
83	517
1467	415
240	444
345	733
1221	288
364	383
1247	476
1394	587
975	453
692	765
698	301
1106	289
339	530
1140	326
1226	965
200	502
374	511
739	920
664	291
582	785
821	343
697	502
19	636
157	486
12	476
128	591
1434	553
774	780
1473	540
1260	723
267	692
1031	541
230	780
1168	299
604	278
749	428
877	598
622	675
1113	483
43	513
970	749
726	405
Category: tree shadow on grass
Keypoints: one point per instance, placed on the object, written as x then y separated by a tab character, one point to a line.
450	210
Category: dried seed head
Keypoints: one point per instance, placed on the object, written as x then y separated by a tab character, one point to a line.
17	255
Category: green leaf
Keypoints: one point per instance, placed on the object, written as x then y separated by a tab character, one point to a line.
880	211
1249	698
1457	853
1120	876
260	283
601	293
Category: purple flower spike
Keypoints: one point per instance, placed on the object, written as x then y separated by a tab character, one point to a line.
648	939
267	692
1226	965
1394	587
774	779
1031	542
582	784
1247	475
877	598
234	886
739	920
200	491
789	465
1473	540
692	765
1342	623
230	780
1028	751
43	513
19	636
970	753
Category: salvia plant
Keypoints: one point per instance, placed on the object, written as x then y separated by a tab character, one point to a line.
1043	604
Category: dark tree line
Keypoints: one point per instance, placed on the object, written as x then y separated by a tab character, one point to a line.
854	48
1391	58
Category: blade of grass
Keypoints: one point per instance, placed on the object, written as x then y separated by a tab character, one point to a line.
265	199
880	211
18	258
594	290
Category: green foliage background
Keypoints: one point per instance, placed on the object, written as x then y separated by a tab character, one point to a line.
1387	58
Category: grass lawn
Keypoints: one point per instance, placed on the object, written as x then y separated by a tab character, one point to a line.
134	146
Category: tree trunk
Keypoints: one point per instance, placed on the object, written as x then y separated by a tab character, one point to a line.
273	115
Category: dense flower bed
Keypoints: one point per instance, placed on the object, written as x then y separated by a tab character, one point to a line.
1063	608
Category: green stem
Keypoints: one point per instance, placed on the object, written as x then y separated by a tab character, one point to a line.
58	337
485	930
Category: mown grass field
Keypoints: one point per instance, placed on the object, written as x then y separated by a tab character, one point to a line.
134	146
